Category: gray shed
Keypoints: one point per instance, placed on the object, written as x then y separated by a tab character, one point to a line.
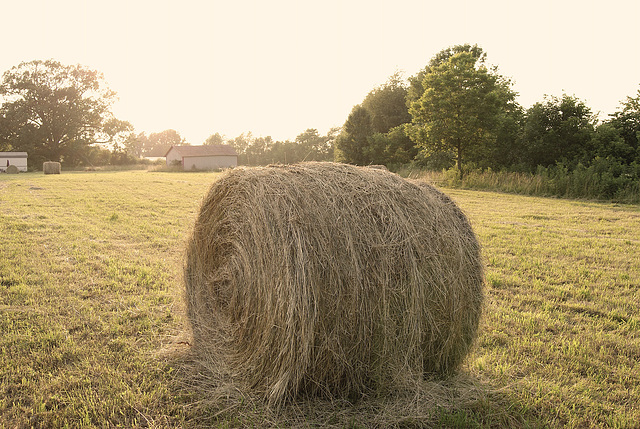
208	157
19	159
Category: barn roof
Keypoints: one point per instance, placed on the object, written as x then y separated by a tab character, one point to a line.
207	150
13	154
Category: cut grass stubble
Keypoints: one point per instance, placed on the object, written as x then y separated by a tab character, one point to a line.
92	329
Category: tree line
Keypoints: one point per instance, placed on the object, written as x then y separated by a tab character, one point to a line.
458	112
57	112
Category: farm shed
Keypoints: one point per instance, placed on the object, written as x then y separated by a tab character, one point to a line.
19	159
209	157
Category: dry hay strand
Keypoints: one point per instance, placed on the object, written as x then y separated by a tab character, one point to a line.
423	407
378	166
332	280
12	169
50	167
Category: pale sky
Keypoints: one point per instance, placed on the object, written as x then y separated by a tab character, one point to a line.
278	67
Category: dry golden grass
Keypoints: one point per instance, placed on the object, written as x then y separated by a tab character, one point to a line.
93	331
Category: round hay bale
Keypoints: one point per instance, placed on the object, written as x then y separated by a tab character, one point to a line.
330	279
12	169
50	167
378	166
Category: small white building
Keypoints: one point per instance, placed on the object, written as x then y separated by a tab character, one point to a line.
208	157
19	159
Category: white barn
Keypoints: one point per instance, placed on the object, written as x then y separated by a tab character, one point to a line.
19	159
208	157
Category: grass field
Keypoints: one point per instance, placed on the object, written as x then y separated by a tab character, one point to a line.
93	332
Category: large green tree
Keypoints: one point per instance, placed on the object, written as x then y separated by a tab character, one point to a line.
387	105
559	129
627	121
53	111
416	88
374	132
352	142
391	148
461	106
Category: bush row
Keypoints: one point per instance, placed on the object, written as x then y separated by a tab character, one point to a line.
604	179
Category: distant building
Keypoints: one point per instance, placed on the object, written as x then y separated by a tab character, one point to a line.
156	152
208	157
19	159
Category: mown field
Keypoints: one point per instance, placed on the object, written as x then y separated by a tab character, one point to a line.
93	331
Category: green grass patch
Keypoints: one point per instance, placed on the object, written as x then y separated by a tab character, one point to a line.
93	331
604	180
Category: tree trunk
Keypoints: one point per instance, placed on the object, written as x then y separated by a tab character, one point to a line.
459	160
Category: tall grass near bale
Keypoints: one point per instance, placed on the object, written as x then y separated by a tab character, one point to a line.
50	167
603	179
332	280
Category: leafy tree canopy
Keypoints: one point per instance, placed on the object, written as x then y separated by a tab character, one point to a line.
416	88
216	138
116	134
54	111
375	129
461	105
161	142
387	105
155	144
627	122
391	148
308	146
557	130
352	142
315	146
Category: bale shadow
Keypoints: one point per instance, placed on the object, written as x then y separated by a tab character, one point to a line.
462	400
